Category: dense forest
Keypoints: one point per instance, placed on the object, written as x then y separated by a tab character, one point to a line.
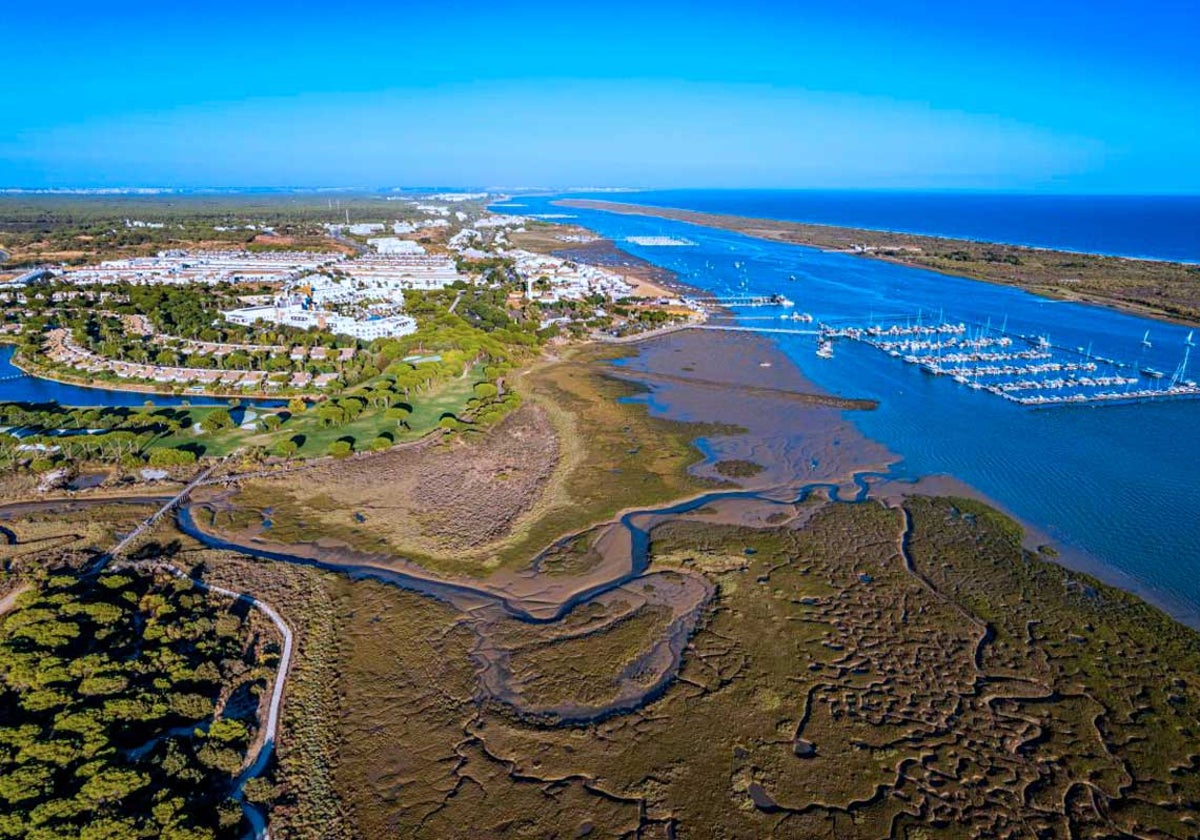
128	701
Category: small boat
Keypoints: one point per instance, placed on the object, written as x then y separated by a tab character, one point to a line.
1188	341
1146	339
792	277
1153	373
825	350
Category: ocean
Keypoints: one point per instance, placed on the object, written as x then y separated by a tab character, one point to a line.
1115	484
1156	227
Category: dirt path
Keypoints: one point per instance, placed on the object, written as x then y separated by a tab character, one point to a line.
7	602
256	761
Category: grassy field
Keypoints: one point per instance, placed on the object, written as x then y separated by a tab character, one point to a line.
583	459
447	398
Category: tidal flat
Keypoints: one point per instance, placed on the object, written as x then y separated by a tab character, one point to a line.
641	643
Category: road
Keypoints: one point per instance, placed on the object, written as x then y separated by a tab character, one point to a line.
349	243
257	762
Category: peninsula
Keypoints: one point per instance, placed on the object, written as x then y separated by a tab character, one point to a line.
1151	288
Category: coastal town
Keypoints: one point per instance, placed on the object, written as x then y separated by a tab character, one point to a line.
353	294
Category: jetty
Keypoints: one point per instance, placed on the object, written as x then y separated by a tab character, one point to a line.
745	329
744	300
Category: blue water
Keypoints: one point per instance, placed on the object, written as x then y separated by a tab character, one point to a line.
17	388
1158	227
1116	482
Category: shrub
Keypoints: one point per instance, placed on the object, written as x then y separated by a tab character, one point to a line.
172	457
216	420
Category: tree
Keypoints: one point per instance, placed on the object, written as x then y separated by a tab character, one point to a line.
286	448
485	391
340	448
172	457
217	420
398	413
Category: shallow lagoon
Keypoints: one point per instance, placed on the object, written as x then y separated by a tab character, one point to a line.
15	387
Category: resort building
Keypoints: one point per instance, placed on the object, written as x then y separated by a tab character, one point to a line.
182	267
364	298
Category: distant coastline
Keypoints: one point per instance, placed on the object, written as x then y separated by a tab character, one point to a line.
1159	289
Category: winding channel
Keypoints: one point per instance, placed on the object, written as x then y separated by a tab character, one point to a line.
450	591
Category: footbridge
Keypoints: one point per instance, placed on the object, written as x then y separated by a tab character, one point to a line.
149	523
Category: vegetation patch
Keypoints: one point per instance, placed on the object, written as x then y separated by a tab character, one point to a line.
738	468
128	702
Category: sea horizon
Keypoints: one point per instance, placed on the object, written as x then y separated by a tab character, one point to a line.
1161	227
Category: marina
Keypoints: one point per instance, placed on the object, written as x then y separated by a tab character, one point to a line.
1024	369
1094	479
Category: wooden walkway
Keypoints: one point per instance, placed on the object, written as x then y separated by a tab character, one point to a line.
151	520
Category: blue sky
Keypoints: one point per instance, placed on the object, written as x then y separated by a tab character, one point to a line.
1055	95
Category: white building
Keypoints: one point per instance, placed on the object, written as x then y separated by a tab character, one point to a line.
182	267
363	299
296	315
567	280
395	245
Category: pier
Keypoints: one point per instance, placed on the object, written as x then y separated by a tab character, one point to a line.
769	330
744	300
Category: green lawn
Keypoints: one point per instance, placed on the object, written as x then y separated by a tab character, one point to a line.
428	408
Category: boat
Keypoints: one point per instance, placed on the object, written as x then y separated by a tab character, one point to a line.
792	277
825	350
1188	341
1146	339
1153	373
780	300
1180	375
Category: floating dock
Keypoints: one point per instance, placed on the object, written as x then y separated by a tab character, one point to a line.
1024	369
